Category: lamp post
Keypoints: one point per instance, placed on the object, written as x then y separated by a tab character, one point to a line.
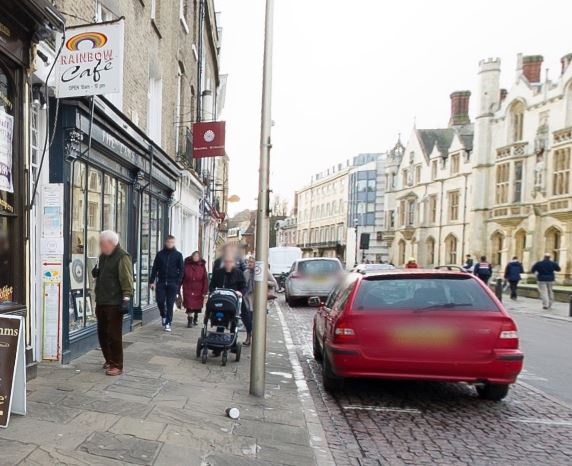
356	221
257	365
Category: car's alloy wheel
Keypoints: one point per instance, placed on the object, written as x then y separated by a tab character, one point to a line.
493	391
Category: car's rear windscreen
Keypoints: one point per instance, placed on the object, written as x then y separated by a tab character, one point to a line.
318	267
410	293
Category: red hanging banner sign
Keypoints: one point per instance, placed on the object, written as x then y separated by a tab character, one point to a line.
208	139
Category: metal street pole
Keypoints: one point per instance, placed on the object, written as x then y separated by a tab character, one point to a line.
356	249
258	361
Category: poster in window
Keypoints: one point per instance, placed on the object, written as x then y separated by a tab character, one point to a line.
6	137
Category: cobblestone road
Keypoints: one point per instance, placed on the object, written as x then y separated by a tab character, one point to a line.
400	423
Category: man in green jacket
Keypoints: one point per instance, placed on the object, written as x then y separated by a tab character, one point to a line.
113	292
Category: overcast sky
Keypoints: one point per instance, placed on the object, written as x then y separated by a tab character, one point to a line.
349	75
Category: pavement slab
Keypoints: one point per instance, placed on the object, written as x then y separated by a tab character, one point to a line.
125	448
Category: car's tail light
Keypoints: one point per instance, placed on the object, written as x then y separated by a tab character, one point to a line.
343	332
508	337
296	275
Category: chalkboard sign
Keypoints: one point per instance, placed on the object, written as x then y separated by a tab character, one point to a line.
12	368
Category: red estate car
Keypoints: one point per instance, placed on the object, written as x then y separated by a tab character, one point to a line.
420	325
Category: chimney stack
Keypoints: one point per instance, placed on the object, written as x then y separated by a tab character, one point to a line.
460	108
532	67
566	60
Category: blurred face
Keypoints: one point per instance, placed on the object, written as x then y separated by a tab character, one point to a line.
196	257
170	243
251	263
228	263
106	247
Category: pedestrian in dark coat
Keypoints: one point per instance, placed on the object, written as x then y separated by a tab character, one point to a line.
166	277
483	270
512	273
546	277
195	287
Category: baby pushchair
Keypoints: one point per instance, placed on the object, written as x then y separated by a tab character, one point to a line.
223	312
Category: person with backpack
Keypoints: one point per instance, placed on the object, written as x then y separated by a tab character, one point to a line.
512	273
483	270
544	271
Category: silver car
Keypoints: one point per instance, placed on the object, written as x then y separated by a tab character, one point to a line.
315	276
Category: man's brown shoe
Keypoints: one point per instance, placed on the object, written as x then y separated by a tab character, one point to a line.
114	371
106	366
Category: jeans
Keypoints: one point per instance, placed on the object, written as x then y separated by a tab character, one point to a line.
513	288
546	293
166	295
110	334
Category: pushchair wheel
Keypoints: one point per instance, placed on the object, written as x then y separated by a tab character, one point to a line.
224	358
199	347
237	351
205	355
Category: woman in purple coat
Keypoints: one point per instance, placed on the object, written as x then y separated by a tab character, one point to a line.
195	287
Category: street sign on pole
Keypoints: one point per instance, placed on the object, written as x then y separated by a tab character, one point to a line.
257	365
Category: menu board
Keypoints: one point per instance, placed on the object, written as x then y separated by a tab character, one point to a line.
12	368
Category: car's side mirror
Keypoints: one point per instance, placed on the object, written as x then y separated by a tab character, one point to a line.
314	301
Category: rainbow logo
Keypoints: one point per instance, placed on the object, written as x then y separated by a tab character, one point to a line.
82	41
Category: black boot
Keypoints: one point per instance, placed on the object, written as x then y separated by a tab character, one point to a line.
189	322
195	320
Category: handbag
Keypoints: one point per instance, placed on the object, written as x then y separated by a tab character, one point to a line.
179	302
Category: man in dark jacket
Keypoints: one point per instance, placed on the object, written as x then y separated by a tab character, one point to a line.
483	270
113	292
512	273
166	278
544	271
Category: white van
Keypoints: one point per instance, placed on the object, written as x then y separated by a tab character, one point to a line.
281	259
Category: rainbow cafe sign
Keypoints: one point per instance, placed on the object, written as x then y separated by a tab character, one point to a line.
91	60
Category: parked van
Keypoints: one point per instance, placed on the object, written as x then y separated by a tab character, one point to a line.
281	259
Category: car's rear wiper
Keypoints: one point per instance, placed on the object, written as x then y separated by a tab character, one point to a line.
443	306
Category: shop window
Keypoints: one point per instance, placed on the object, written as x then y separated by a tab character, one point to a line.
105	202
145	263
11	251
122	213
6	262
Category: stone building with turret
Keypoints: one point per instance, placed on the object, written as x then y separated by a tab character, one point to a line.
429	191
522	155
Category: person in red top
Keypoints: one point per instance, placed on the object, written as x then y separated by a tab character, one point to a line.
411	264
195	287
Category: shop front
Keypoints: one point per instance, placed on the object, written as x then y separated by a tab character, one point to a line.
21	25
123	182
